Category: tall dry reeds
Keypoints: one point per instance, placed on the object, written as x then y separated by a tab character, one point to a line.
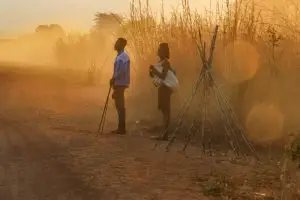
270	33
270	36
241	20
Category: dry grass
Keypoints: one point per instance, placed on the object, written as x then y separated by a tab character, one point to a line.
256	43
256	59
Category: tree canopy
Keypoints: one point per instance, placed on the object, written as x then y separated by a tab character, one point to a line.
50	29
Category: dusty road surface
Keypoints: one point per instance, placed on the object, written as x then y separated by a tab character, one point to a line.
49	151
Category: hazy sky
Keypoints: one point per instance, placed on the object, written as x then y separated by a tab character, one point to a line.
24	15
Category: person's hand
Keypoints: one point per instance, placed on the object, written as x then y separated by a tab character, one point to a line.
151	69
151	73
111	82
113	96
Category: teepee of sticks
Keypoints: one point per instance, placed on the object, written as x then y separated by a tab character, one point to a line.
233	129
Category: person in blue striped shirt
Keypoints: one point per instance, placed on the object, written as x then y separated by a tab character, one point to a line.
119	82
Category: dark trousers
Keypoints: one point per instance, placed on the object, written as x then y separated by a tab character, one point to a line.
118	96
164	103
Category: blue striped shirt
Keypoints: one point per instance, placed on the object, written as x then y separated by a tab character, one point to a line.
122	70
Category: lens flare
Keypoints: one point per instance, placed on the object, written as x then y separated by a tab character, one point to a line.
240	61
264	123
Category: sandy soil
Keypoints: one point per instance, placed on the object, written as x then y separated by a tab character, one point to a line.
49	150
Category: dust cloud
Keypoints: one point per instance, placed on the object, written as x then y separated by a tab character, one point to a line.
31	49
71	58
55	70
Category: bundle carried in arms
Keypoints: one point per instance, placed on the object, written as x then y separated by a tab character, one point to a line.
171	80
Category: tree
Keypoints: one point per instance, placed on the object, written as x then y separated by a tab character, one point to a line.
52	29
107	21
41	28
57	29
103	33
61	52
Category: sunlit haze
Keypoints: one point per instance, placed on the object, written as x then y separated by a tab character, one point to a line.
18	16
82	110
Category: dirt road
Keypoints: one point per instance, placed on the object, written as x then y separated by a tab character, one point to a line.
49	151
47	161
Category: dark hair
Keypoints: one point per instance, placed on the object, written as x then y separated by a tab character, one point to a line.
122	42
163	51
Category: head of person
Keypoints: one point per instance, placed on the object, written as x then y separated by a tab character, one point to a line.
120	44
163	51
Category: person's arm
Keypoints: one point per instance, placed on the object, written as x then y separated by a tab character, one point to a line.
163	75
120	69
117	69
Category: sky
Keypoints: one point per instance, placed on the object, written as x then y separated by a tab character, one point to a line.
20	16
